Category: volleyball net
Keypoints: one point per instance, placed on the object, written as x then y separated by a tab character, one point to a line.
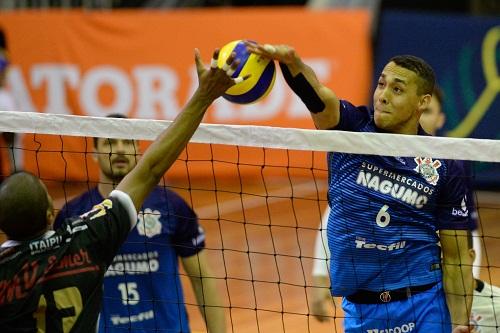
259	193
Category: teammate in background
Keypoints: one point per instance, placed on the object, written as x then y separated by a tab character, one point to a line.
485	315
432	120
8	103
385	211
51	281
143	281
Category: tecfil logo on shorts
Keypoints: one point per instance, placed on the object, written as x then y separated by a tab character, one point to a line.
398	329
362	244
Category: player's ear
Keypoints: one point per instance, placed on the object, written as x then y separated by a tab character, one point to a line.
50	214
423	103
51	217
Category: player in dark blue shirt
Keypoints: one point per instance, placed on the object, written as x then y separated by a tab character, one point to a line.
385	211
142	287
51	281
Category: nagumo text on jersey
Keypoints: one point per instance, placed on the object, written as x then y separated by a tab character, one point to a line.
382	183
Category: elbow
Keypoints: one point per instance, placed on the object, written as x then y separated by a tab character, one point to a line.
326	121
329	116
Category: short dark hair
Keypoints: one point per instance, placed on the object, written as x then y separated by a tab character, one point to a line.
423	70
111	115
23	206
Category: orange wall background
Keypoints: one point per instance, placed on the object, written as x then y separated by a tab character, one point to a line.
140	63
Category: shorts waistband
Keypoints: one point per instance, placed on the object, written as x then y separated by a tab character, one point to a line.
372	297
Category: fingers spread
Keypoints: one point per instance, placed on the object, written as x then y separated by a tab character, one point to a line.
197	59
230	71
230	65
225	67
240	79
215	57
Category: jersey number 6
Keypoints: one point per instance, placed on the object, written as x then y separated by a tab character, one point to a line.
383	217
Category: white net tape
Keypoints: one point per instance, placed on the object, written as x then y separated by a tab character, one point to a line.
258	136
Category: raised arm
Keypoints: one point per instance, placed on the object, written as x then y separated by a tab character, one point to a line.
213	82
319	99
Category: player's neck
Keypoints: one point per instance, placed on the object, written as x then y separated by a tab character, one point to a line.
105	189
408	128
106	185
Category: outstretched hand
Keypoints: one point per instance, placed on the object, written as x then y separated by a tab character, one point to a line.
214	81
282	53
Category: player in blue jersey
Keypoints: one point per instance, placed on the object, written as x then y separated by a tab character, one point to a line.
432	120
142	287
51	281
385	211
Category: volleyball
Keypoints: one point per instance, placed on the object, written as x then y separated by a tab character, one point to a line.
262	70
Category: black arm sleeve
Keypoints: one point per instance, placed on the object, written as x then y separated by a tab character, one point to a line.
302	88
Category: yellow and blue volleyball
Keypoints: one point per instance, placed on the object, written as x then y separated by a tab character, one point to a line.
262	70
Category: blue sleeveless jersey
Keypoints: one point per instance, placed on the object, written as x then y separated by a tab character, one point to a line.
142	288
385	212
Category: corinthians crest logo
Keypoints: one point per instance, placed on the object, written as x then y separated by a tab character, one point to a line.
149	224
427	167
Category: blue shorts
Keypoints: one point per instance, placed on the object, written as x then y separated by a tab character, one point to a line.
423	312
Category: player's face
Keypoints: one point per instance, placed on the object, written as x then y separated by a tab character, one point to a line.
116	157
396	100
432	119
